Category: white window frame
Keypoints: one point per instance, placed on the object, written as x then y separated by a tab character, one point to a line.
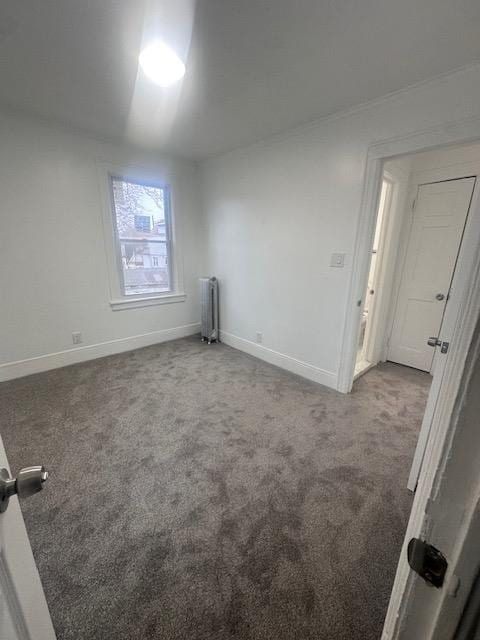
168	240
118	299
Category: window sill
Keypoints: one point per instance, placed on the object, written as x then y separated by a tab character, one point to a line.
151	301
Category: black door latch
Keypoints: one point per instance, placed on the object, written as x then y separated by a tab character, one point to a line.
427	561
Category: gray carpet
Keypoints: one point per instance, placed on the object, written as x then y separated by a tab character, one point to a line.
199	493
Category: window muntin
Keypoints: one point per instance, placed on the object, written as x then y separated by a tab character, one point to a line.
142	226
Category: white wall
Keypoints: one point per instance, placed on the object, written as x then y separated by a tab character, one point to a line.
278	209
53	274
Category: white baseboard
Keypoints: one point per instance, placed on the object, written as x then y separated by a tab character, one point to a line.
327	378
20	368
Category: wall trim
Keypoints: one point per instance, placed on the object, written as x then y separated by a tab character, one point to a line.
154	158
20	368
309	371
121	304
307	127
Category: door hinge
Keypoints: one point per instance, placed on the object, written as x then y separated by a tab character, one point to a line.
427	561
414	204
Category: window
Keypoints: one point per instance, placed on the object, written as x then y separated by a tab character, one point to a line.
143	223
142	227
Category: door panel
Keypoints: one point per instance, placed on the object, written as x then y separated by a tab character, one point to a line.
8	626
24	613
437	227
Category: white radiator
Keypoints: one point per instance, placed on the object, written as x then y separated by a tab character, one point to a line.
209	302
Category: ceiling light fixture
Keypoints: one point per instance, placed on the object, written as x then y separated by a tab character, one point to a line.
161	64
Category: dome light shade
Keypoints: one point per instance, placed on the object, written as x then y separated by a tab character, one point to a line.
161	64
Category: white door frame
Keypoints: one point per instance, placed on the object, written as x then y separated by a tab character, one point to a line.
444	420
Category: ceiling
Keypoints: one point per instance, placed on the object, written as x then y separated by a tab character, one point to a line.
254	67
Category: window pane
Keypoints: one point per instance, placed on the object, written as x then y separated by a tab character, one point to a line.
142	228
145	267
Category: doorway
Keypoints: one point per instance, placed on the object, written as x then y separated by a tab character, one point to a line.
440	212
460	163
423	211
366	353
421	216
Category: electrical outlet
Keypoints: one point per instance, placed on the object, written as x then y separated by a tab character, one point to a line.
259	337
76	337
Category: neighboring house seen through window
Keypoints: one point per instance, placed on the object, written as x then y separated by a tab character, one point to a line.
142	224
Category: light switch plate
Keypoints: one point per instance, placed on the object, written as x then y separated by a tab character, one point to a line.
337	260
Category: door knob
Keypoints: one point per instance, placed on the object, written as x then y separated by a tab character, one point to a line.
440	296
28	481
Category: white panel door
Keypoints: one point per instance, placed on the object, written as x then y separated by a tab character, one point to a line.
23	609
439	219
